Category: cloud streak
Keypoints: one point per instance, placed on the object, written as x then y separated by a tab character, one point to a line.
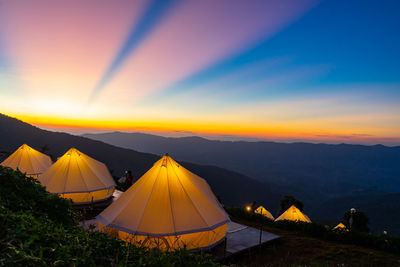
153	14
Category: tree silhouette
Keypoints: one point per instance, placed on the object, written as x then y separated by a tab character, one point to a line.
44	148
360	221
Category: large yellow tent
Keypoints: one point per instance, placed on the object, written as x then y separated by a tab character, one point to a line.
261	210
28	160
293	214
79	177
168	208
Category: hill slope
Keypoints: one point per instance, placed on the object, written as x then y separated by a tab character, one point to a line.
232	187
332	170
329	179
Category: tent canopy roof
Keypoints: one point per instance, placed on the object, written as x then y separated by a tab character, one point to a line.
340	225
263	211
167	200
293	214
76	172
28	160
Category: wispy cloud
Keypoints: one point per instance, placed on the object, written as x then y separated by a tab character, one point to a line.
150	18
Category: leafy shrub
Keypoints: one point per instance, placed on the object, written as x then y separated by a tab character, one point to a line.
317	230
39	229
21	193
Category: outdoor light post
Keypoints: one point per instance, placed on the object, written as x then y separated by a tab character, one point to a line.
249	209
261	227
352	211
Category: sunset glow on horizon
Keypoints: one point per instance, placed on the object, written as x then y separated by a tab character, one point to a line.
284	70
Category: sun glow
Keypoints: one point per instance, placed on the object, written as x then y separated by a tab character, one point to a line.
170	70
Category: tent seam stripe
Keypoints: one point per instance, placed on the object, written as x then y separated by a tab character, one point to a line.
184	190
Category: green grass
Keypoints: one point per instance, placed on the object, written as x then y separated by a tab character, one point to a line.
303	244
40	229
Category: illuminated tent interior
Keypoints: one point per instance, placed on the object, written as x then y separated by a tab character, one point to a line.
261	210
79	177
168	208
28	160
293	214
340	226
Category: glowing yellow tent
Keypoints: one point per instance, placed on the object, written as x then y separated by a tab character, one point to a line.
28	160
340	226
78	177
167	208
293	214
261	210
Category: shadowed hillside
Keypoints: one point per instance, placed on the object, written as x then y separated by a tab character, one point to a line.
232	187
383	208
322	176
332	170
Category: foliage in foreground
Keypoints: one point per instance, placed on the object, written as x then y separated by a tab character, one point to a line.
39	229
320	231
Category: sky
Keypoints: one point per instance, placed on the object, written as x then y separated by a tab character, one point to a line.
283	70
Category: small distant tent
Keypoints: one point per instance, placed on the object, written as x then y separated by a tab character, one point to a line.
168	208
340	226
261	210
28	160
293	214
79	177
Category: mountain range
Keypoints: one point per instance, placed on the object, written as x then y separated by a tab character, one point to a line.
233	188
328	178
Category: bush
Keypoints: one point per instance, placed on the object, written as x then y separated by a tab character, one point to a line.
39	229
21	193
317	230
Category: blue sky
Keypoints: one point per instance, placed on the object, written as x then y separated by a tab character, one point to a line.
289	69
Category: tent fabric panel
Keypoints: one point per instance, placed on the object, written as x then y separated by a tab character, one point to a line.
192	241
55	178
78	177
116	227
200	184
128	209
293	214
75	181
261	210
166	201
39	161
157	217
210	212
80	198
98	169
28	160
182	204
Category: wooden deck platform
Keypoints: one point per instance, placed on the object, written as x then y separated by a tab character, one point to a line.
241	237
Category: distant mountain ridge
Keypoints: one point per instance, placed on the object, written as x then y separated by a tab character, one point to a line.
233	188
347	168
318	174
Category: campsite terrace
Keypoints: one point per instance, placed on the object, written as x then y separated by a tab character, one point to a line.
167	209
239	238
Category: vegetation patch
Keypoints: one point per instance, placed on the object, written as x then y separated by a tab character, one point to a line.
382	242
40	229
